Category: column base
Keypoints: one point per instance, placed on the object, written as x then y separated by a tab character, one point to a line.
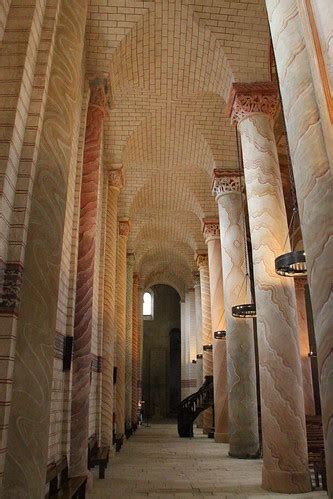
205	431
286	482
244	455
221	438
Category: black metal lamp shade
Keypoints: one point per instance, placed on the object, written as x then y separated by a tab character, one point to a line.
208	348
291	264
194	361
199	356
246	310
220	335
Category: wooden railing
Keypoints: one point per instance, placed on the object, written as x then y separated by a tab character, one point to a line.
190	408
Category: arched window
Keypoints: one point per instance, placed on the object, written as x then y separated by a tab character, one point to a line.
148	305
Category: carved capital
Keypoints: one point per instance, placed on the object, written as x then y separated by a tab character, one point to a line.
211	229
136	279
251	98
124	227
201	260
98	92
116	179
226	182
196	279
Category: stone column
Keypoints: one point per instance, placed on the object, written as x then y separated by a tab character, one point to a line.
304	347
81	370
207	363
314	189
135	349
124	229
128	363
28	427
183	367
212	237
242	393
285	467
140	342
116	182
198	326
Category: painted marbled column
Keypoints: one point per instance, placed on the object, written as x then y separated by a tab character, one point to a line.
207	363
140	341
285	467
314	189
135	348
198	327
303	335
116	182
129	318
191	341
28	430
242	392
212	237
183	368
81	371
120	357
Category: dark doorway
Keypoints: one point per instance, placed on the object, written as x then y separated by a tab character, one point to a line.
174	377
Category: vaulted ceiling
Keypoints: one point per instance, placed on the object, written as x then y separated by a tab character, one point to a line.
171	64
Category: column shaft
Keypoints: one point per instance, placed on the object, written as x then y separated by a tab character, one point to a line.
135	349
285	467
129	341
121	326
207	364
109	328
212	237
314	189
85	282
27	444
243	408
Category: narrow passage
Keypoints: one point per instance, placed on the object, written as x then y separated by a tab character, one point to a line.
155	462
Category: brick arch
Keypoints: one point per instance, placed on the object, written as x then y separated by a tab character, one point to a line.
168	279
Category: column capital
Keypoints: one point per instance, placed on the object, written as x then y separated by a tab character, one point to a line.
116	179
124	227
201	259
136	279
211	229
98	93
226	182
196	279
130	258
249	98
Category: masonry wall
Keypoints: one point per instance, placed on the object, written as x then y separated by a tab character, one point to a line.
156	350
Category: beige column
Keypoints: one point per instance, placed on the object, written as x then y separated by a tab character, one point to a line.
304	347
313	180
116	182
211	232
207	363
28	430
135	349
140	342
120	357
198	327
285	467
242	391
129	319
183	339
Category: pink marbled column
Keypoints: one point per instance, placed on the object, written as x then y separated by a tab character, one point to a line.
212	237
242	391
135	352
313	173
120	357
84	284
285	467
207	363
109	318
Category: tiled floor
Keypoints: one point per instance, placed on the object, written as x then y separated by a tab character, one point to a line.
156	463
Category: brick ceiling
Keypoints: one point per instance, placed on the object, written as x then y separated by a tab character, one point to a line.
171	64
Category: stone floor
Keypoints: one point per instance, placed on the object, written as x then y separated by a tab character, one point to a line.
155	462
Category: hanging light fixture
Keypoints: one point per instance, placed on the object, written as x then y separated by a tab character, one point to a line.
244	310
208	348
219	335
194	361
199	356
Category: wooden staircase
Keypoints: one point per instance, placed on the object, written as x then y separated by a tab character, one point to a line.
190	408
